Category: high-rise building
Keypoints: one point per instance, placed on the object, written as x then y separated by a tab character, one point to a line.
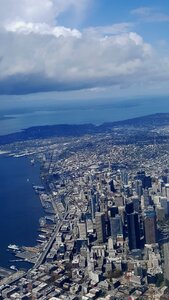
133	231
146	179
140	175
150	226
116	226
82	230
147	198
129	208
147	182
136	203
93	203
133	227
111	185
100	227
160	213
167	190
166	260
124	177
113	211
138	188
164	204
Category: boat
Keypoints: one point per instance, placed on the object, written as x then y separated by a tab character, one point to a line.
42	222
13	268
38	188
40	241
16	260
32	161
13	247
42	236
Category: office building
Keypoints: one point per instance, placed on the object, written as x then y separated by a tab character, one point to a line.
100	227
133	227
116	226
150	227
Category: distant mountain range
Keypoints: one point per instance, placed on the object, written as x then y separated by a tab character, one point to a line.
40	132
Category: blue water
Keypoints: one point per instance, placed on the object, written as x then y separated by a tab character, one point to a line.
79	112
20	207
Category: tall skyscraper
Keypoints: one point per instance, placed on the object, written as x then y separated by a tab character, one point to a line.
166	260
111	184
140	175
138	188
146	179
100	227
116	226
147	182
133	227
82	230
93	203
164	204
150	227
147	198
136	203
124	177
113	211
129	208
167	190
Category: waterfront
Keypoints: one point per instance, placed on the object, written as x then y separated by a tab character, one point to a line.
20	206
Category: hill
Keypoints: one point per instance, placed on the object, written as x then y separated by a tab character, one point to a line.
48	131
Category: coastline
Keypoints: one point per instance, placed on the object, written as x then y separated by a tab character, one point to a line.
15	217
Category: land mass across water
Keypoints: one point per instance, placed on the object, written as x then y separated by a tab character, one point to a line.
66	130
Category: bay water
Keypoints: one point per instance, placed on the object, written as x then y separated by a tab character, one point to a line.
20	207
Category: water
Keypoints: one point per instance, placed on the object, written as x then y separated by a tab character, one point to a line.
96	112
20	206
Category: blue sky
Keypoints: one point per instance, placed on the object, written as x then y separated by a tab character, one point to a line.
111	11
69	49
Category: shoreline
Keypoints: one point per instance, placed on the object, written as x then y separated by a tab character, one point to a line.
25	264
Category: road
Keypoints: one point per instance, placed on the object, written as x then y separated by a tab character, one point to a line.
43	255
47	248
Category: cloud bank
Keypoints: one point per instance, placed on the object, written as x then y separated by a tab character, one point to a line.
38	55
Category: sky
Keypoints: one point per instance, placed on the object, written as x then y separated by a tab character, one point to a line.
83	49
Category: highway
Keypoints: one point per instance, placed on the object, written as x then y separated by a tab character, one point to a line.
47	248
43	255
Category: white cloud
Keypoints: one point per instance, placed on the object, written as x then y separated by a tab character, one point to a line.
41	29
36	54
110	30
51	61
150	14
38	11
27	10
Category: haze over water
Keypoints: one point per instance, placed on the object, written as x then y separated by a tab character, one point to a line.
96	112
